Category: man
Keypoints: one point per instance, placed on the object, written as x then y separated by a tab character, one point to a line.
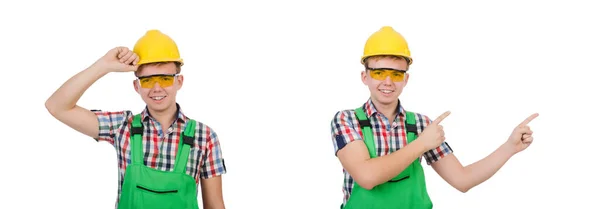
160	166
380	144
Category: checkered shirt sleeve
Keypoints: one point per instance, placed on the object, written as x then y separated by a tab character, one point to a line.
343	130
213	163
109	122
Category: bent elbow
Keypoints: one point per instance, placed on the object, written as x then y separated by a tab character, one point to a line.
54	108
49	107
366	182
463	188
365	185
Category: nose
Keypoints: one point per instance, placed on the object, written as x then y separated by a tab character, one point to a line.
156	86
388	80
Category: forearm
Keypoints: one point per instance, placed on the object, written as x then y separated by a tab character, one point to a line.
66	97
381	169
213	200
485	168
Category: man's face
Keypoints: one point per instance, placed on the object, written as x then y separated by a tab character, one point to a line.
385	79
158	85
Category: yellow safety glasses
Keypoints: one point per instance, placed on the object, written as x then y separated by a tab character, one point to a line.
164	80
382	73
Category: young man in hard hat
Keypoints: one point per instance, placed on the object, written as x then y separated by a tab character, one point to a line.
162	154
380	144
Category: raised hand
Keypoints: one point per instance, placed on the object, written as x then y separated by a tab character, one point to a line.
118	59
522	136
433	135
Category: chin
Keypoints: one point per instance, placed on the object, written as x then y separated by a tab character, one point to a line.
386	100
157	107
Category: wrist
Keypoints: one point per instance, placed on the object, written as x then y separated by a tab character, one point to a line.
420	146
508	149
98	69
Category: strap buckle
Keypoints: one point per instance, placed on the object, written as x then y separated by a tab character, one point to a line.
364	123
188	140
137	130
411	128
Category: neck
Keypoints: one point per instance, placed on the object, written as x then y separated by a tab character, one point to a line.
165	117
389	110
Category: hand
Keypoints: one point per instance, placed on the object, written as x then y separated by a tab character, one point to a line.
118	59
433	135
522	136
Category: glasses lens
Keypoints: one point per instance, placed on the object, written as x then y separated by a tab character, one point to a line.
382	74
162	80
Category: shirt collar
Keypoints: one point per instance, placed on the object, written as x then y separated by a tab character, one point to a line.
180	116
370	109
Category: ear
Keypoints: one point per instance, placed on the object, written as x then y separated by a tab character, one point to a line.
179	81
135	86
406	79
363	76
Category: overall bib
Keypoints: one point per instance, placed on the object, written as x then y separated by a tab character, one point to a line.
148	188
405	191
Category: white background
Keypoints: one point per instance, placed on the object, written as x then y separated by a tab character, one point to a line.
269	76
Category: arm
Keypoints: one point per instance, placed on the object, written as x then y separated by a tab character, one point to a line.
354	156
465	178
213	167
370	172
62	103
212	194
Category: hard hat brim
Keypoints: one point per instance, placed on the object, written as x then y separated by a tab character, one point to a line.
141	62
364	58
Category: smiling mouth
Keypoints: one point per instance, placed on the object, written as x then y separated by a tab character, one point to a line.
158	98
386	91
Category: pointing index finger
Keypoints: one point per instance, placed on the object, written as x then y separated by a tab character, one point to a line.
441	117
529	119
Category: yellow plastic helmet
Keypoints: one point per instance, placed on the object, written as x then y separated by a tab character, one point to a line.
156	46
386	41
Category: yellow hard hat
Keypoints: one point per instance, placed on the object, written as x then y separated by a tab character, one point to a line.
156	46
386	41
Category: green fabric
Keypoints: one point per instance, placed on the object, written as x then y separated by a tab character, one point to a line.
148	188
405	191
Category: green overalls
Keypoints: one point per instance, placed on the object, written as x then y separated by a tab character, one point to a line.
405	191
148	188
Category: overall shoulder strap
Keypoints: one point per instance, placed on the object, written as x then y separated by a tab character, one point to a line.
136	131
365	125
185	143
411	126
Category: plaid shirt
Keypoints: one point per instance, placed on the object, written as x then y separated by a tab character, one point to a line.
388	136
160	149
